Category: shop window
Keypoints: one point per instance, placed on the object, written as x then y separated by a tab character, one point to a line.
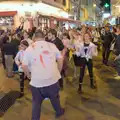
43	22
6	20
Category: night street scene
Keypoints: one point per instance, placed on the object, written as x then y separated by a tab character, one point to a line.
60	60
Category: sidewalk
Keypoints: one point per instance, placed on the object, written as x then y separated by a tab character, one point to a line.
100	104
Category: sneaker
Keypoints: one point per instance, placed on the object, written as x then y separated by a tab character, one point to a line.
79	91
93	86
117	77
21	95
61	117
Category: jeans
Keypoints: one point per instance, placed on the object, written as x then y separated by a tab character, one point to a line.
3	59
117	65
21	82
89	65
9	65
39	94
106	54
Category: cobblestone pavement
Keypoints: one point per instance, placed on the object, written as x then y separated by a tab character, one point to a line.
100	104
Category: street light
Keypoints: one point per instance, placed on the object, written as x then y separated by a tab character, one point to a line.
94	5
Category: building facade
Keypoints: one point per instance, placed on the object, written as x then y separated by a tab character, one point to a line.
89	10
27	11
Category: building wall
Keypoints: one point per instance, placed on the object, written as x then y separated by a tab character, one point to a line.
115	11
58	3
31	8
91	12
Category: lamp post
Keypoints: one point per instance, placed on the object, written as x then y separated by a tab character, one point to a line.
94	6
79	10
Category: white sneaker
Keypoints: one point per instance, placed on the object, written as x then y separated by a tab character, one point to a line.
117	77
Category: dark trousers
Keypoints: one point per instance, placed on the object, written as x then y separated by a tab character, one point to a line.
61	80
21	82
106	54
117	65
39	94
15	67
89	65
3	59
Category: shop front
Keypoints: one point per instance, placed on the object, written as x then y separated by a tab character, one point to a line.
7	18
34	15
32	8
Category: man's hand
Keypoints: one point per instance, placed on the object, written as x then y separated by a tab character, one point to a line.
60	64
26	71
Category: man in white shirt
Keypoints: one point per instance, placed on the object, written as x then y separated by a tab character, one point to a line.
40	60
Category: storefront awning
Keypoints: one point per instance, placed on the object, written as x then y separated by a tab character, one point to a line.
67	20
8	13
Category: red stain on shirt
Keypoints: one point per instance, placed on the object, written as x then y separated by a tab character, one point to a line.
41	60
46	52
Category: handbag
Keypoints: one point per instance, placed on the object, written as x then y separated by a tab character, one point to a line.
78	60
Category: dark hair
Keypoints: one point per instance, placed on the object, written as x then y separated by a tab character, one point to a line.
24	42
39	34
118	26
114	30
67	35
53	32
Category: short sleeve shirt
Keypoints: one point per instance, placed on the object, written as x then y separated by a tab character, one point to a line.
41	58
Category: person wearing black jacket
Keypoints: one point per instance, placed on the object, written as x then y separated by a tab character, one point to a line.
16	42
9	52
52	37
3	41
107	40
117	43
117	53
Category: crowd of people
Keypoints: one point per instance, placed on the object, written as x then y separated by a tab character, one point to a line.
42	57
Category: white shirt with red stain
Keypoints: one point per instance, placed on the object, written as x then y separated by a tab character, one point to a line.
41	58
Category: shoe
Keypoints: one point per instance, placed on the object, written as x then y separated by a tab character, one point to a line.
117	77
61	88
93	86
21	95
80	90
105	63
61	117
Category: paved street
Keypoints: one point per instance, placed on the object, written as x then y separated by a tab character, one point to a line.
100	104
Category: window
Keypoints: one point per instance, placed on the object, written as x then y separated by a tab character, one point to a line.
7	20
